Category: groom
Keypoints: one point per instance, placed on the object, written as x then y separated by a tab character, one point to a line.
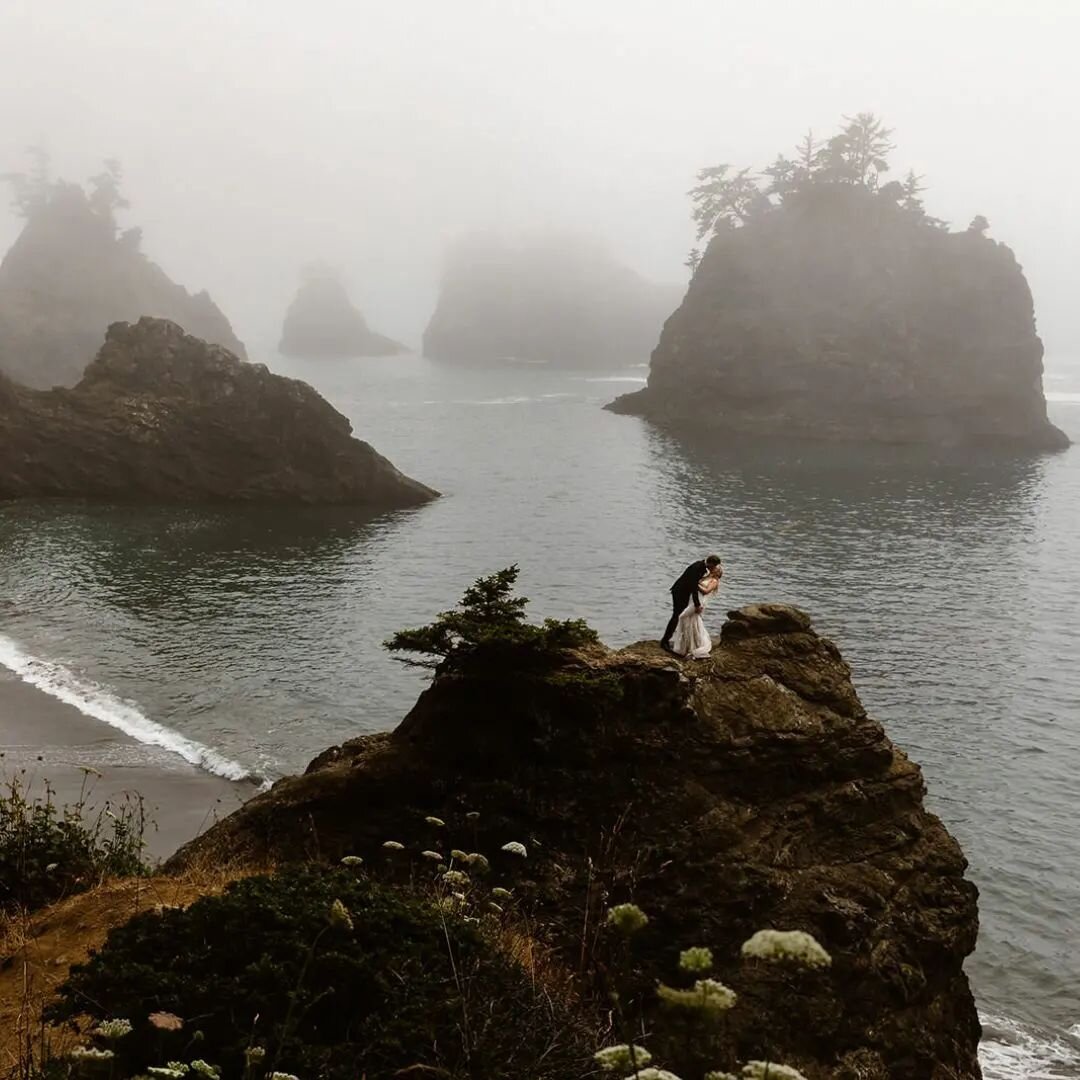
682	590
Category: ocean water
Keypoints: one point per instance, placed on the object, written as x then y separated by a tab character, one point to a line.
245	641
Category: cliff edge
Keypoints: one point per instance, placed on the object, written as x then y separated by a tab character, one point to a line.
160	415
722	796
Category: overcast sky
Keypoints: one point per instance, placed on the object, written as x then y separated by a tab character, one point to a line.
260	134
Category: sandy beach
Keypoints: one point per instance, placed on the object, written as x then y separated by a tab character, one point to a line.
54	742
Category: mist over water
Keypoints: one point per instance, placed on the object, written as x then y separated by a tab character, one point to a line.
947	580
257	136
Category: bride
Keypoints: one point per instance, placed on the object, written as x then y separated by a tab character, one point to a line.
691	640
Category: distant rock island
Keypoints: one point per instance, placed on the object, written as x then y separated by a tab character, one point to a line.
322	322
71	273
553	299
162	416
829	305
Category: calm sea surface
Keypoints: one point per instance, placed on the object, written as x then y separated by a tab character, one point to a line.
250	640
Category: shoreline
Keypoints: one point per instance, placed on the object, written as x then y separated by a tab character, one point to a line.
47	740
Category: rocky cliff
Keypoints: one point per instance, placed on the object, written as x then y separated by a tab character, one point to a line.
161	415
839	315
69	276
722	796
322	322
544	299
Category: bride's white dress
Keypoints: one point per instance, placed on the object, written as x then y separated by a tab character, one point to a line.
691	639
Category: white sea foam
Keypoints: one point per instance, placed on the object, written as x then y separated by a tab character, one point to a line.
1010	1051
94	701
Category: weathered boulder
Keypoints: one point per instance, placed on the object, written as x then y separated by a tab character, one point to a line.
745	791
839	315
322	322
559	300
69	276
161	415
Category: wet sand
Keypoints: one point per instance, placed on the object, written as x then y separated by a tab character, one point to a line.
48	740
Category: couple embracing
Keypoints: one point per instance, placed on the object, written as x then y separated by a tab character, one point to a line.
686	634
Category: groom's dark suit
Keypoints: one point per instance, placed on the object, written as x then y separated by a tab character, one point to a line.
681	591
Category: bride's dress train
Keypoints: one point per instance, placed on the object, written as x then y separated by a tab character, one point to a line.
691	639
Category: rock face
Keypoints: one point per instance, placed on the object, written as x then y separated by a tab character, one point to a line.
554	300
322	322
68	277
749	790
160	415
839	316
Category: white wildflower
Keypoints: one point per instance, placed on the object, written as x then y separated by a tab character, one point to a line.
514	848
621	1057
436	821
456	879
652	1074
165	1073
90	1053
352	860
339	917
770	1070
178	1066
113	1029
254	1054
458	855
717	1075
446	904
473	815
478	862
51	867
502	894
460	897
496	908
204	1068
708	995
282	1076
434	856
627	918
393	845
696	961
796	946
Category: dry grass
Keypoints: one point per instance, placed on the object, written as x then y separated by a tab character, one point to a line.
37	950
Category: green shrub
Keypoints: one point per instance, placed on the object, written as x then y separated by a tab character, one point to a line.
489	625
394	984
49	851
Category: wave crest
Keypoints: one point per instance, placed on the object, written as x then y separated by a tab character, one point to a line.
96	702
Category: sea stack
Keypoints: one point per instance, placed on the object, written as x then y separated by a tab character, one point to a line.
839	310
551	299
160	416
72	273
323	323
723	796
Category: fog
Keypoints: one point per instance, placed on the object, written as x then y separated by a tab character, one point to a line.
258	135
